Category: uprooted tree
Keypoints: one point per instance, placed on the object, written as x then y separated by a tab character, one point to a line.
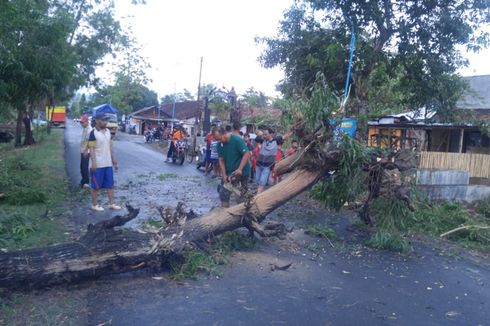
108	248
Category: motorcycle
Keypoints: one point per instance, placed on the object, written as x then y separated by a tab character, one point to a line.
153	135
132	130
178	155
201	158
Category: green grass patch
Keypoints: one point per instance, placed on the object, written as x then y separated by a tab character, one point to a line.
26	309
34	181
194	261
166	176
394	220
320	231
389	240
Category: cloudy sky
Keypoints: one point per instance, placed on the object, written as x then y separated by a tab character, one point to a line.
175	34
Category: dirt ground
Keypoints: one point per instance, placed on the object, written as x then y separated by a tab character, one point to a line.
329	282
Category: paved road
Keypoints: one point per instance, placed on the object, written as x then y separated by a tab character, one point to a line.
346	285
143	179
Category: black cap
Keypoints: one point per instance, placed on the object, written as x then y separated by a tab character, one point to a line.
102	116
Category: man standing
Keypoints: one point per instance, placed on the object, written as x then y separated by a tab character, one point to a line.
234	163
102	160
84	152
266	159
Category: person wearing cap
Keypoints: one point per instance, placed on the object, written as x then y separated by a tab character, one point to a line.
84	152
102	161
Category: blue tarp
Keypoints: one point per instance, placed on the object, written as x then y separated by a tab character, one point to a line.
104	108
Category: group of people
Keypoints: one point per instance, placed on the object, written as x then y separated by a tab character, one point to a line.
234	155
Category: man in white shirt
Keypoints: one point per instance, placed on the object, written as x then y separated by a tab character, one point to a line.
102	162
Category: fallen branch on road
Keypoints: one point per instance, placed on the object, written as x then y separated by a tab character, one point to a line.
106	248
465	227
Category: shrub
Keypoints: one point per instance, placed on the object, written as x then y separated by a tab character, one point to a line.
19	181
483	207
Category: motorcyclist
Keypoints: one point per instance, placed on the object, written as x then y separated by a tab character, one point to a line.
177	134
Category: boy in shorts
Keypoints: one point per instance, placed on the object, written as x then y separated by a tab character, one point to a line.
102	162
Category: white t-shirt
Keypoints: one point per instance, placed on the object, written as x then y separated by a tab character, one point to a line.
100	142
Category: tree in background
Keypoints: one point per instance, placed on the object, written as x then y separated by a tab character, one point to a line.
50	49
129	90
255	98
184	96
406	52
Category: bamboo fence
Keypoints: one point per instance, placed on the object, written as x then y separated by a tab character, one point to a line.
478	165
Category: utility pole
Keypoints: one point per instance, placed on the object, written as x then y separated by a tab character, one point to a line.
199	116
173	107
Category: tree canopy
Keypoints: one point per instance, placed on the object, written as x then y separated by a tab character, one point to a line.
406	56
50	48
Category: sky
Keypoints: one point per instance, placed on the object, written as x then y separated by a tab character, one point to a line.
174	35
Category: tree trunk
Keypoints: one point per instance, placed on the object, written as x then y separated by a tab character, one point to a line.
18	129
104	249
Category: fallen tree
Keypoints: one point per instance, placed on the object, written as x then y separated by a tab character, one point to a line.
107	248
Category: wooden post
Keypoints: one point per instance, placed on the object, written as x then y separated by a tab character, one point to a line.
389	137
461	136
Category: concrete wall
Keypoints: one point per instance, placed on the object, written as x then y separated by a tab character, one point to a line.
469	193
442	177
451	185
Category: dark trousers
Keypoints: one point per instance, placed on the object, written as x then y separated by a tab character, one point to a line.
171	150
84	160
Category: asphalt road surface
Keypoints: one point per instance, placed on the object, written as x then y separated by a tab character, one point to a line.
341	283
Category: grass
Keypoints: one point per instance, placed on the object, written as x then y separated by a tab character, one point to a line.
166	176
320	232
25	309
395	220
193	261
483	208
34	181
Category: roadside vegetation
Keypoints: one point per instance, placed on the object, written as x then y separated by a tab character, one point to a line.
34	184
396	222
194	261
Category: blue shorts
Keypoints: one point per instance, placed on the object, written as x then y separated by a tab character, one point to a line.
102	178
213	161
262	174
208	155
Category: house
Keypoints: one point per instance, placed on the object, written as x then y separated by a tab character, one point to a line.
421	130
253	117
185	113
453	158
146	118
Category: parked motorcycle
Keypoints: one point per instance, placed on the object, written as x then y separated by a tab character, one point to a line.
201	158
132	130
178	155
153	135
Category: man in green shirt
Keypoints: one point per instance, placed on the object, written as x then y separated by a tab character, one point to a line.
234	163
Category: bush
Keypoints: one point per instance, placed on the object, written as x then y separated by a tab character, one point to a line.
19	182
483	207
385	240
394	219
15	228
